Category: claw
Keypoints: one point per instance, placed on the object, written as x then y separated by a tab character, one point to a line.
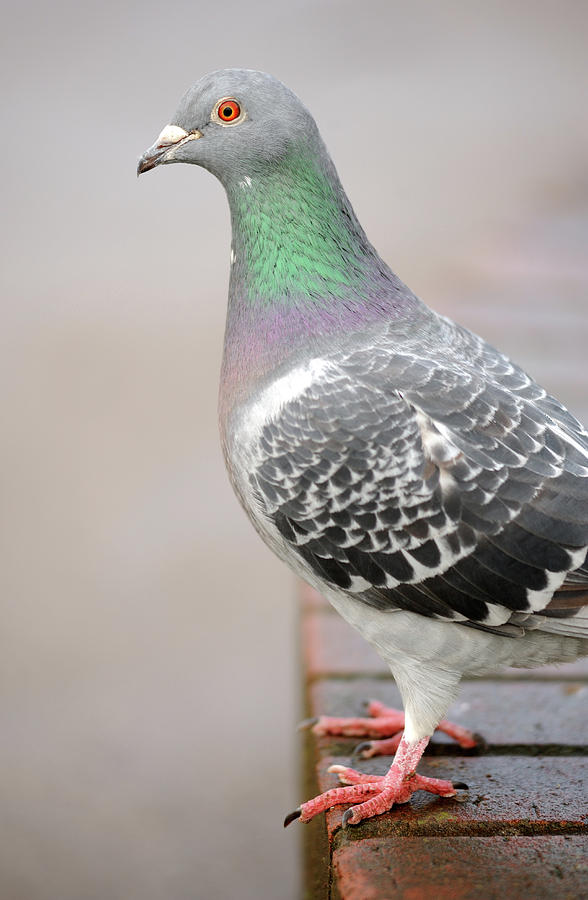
347	815
461	785
292	816
307	723
359	748
481	742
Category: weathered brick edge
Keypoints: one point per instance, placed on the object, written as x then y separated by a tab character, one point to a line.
522	829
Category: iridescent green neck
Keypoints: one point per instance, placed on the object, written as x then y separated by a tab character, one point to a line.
295	235
303	276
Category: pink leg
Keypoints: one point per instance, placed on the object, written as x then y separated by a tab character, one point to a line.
385	724
463	737
376	794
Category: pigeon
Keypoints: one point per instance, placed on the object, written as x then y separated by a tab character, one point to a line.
422	482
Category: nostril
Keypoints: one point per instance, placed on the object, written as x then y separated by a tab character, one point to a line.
171	134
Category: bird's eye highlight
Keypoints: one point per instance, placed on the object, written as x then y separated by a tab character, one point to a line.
228	110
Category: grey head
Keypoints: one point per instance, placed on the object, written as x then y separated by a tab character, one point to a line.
234	122
302	268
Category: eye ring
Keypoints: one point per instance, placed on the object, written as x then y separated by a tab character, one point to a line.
228	111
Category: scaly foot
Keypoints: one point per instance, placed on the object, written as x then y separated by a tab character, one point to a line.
376	794
385	724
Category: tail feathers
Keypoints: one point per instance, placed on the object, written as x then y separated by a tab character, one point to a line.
574	626
579	575
567	611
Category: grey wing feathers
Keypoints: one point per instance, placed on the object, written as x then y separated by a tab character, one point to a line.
451	490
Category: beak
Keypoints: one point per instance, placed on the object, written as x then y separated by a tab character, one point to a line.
161	151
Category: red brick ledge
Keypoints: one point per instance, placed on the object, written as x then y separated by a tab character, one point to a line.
522	829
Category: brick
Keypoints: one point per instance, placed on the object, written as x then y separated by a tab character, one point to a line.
507	795
520	831
463	868
539	714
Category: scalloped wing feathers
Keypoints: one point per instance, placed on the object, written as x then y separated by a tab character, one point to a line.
452	486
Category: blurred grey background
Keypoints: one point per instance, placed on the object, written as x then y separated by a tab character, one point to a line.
149	670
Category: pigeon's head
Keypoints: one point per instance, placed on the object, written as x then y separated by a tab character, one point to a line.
235	123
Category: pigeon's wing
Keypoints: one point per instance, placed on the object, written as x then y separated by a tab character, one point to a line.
451	490
522	479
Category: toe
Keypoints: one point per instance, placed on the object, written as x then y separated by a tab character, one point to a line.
352	776
354	793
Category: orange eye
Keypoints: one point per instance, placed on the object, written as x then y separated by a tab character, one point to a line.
229	110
